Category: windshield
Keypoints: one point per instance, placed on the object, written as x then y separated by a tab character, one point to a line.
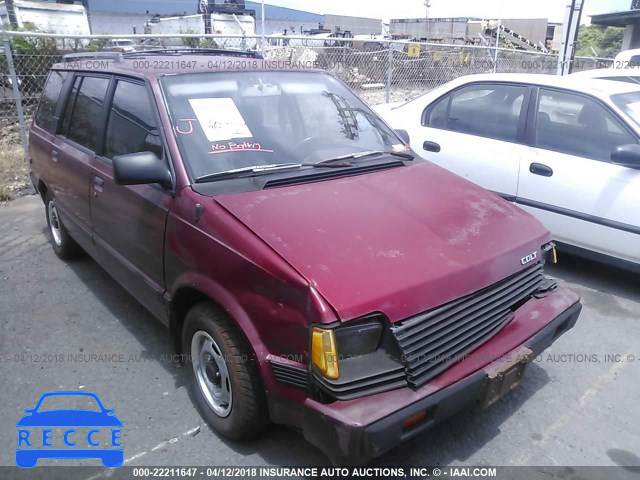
629	103
230	120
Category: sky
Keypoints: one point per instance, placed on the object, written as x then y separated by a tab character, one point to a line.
386	9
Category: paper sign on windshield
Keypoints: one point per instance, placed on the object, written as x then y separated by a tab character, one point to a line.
219	118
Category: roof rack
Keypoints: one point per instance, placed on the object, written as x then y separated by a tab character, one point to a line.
117	56
194	51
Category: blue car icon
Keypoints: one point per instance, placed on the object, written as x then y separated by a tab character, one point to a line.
31	447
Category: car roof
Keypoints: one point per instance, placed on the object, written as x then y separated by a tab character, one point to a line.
159	62
608	73
593	86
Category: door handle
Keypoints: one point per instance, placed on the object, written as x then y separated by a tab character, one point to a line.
98	183
54	155
540	169
431	146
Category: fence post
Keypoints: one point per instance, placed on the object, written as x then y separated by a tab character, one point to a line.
389	69
495	57
16	94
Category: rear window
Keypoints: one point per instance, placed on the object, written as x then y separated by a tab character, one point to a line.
45	117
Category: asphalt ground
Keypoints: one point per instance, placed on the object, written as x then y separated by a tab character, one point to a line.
69	326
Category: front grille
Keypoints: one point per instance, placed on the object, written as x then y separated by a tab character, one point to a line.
431	340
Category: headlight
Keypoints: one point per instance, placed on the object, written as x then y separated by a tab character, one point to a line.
355	359
360	337
347	341
324	354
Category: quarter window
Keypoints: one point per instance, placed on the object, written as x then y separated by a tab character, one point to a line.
484	110
84	123
577	125
634	61
131	126
45	116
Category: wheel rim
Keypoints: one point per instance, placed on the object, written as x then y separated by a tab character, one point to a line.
211	373
54	224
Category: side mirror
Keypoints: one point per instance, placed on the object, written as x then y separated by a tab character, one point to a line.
404	135
627	156
141	168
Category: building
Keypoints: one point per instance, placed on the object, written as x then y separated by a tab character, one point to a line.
533	29
446	30
281	19
629	19
129	17
45	16
473	30
355	25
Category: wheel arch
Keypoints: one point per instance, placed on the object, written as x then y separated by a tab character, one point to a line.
189	294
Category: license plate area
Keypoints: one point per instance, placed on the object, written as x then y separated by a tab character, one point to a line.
504	375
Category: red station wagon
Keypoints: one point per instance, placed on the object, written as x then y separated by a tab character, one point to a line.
310	268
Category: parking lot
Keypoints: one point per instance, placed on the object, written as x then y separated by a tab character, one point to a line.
71	327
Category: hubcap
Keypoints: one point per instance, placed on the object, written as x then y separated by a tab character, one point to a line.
211	373
54	223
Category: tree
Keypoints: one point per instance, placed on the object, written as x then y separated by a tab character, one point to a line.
606	41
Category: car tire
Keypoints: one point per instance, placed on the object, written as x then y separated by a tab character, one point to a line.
64	246
225	380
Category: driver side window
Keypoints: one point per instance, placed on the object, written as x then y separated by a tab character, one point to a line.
577	125
131	126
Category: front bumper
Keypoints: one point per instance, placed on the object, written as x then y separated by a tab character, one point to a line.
354	432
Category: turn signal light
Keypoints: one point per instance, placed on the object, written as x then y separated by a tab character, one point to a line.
549	252
324	354
414	420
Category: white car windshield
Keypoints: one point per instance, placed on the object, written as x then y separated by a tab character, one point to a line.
230	120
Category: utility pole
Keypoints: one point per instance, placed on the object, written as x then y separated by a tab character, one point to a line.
572	16
11	13
203	8
427	6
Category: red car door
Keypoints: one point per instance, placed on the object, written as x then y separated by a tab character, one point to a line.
73	153
129	221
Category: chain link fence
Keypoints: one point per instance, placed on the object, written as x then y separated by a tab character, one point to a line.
379	71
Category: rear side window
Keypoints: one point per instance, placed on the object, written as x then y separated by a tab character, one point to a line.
132	125
45	117
68	108
85	118
484	110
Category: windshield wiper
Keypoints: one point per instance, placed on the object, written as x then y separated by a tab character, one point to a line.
340	161
405	155
212	177
335	162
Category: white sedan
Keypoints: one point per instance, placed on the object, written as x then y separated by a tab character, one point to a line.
566	149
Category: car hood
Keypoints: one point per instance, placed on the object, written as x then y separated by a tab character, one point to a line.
386	107
69	418
400	241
